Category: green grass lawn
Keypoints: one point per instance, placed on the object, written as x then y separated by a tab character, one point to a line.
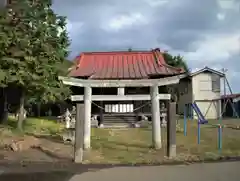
35	126
32	126
134	145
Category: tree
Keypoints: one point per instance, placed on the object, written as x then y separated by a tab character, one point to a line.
33	43
36	98
130	49
175	61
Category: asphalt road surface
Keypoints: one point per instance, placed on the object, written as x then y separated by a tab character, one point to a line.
196	172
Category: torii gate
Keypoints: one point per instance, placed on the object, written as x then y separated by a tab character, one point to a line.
83	126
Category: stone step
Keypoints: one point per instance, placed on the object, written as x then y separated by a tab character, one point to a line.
119	119
117	125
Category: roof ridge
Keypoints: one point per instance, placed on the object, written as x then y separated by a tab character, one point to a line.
164	63
81	56
170	66
159	57
113	52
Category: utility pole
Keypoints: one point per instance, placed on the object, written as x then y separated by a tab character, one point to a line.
224	86
224	81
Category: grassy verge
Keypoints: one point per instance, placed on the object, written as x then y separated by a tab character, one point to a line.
32	126
134	145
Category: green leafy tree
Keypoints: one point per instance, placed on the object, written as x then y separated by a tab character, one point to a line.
36	98
130	49
33	43
179	62
175	61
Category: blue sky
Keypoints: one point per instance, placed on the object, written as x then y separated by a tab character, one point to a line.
205	32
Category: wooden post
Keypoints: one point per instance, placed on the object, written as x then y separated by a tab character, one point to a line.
184	119
87	117
219	109
3	3
156	125
171	129
101	115
79	133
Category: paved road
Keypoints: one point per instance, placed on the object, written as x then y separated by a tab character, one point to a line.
196	172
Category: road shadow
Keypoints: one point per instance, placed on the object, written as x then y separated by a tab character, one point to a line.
38	176
47	171
65	171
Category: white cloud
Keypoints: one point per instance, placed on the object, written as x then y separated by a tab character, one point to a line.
229	4
202	35
156	3
69	25
220	16
74	28
124	21
232	77
215	48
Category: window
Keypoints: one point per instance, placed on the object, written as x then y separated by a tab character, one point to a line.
205	85
215	83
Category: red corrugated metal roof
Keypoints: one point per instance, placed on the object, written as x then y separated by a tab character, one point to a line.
122	65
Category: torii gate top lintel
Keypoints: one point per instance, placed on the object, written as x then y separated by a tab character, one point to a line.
122	83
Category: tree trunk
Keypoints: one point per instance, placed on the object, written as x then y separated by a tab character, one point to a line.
5	112
38	109
4	108
1	111
60	109
21	116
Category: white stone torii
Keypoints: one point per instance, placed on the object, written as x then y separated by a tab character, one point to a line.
87	98
156	123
